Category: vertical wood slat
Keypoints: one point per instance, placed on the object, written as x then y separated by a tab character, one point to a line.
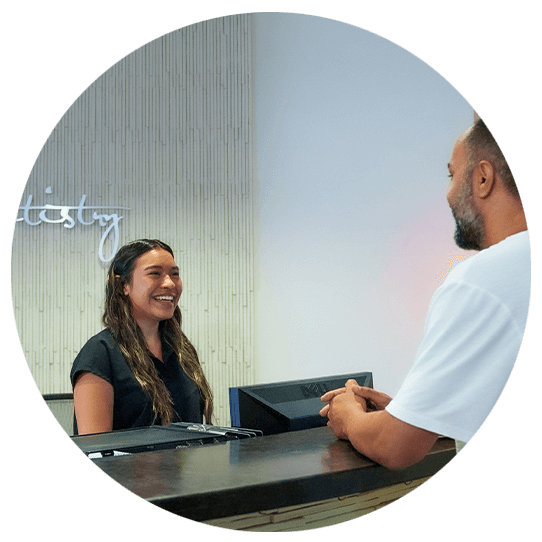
166	133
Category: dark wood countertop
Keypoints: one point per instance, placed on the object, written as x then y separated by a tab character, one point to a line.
243	476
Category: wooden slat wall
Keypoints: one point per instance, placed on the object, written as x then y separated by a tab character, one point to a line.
166	132
318	514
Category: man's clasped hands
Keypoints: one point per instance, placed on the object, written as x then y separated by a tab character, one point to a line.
350	401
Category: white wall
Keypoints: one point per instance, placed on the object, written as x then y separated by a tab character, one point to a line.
353	136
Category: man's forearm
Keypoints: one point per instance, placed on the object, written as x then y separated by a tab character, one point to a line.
380	436
370	435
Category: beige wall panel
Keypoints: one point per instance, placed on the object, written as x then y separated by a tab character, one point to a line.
164	133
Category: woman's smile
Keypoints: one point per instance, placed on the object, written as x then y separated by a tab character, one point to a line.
155	287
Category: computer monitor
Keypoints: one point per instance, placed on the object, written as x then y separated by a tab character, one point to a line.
286	406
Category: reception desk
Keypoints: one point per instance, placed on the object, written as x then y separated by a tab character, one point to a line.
289	481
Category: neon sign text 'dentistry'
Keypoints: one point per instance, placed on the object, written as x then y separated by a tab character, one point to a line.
60	214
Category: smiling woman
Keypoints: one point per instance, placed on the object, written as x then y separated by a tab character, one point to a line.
141	369
154	291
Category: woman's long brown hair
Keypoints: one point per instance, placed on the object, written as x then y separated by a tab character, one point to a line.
119	320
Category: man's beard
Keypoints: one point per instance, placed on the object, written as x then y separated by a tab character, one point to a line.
469	223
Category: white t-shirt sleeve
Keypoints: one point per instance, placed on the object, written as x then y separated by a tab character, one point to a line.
469	348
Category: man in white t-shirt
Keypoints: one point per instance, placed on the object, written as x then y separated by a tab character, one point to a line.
474	327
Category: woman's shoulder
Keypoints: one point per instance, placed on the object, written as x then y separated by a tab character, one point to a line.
102	337
99	355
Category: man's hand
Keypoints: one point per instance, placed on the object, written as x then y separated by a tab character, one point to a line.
343	404
375	400
358	414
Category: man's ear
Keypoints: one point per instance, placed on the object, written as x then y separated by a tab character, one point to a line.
483	179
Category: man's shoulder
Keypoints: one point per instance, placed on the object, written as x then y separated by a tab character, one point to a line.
504	260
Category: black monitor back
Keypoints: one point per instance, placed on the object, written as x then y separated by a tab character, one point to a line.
286	406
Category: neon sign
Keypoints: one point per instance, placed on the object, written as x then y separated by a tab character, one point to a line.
108	221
